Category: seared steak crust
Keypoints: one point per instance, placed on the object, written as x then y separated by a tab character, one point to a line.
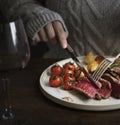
106	88
113	75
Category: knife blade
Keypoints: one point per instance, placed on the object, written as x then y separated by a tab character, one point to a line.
80	65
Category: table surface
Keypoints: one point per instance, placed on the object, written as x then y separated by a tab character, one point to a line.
33	108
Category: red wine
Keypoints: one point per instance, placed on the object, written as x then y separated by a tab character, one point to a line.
12	62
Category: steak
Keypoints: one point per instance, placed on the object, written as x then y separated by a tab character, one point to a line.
85	87
106	88
115	83
112	75
110	84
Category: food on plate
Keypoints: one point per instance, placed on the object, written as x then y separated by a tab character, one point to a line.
99	59
72	78
56	70
85	87
78	74
68	80
55	81
110	82
67	71
113	75
70	74
92	66
92	61
90	57
106	89
70	66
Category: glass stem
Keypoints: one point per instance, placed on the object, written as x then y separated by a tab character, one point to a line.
7	107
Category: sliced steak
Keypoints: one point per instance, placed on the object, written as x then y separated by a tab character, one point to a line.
85	87
106	89
115	83
112	75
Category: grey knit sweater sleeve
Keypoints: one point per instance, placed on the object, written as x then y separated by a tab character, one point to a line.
33	14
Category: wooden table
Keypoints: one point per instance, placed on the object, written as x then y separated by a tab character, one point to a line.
33	108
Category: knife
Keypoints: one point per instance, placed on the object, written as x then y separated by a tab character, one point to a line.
80	65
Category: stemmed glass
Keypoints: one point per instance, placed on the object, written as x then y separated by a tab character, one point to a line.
14	55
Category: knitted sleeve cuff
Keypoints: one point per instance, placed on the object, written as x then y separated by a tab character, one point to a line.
41	17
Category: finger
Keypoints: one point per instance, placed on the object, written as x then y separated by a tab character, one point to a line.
50	31
43	35
61	34
36	38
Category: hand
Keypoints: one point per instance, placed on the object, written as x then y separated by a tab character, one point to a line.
52	32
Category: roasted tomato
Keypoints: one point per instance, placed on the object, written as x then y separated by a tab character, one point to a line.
55	81
69	77
67	85
70	66
67	71
68	80
56	70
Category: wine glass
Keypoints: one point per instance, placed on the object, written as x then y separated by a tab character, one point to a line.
14	55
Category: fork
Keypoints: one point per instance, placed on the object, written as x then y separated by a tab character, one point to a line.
102	68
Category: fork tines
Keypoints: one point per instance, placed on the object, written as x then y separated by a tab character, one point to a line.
101	69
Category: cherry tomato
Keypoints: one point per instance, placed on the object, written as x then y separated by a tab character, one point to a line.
55	81
67	71
56	70
67	85
70	66
68	80
69	77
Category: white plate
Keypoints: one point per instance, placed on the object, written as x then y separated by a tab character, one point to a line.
78	101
